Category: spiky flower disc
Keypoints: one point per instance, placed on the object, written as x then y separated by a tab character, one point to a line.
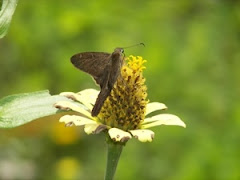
126	106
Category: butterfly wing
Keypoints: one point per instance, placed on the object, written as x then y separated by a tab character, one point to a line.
92	63
102	96
101	66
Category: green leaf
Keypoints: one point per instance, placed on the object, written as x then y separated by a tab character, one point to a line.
19	109
6	11
0	5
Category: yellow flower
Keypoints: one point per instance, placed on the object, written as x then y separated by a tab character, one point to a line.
68	168
125	112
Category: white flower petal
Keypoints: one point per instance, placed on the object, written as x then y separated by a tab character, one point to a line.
119	135
86	97
64	105
78	98
94	128
162	119
89	129
90	95
154	106
76	120
143	135
69	95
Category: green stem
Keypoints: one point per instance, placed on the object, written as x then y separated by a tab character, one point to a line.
113	155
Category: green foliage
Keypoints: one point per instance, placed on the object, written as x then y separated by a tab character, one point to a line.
192	48
7	8
19	109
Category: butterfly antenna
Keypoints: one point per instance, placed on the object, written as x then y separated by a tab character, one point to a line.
139	44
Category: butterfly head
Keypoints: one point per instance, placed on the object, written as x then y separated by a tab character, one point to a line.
118	52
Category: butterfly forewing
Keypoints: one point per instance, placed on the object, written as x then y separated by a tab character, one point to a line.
93	63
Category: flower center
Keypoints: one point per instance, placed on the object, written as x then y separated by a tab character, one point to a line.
125	107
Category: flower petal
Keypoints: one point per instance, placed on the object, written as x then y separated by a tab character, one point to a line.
77	97
90	95
87	97
69	95
119	135
66	105
154	106
76	120
94	128
162	119
143	135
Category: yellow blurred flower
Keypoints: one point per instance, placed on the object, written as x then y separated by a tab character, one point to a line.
62	135
68	168
124	112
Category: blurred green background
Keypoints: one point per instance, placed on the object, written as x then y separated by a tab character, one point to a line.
193	53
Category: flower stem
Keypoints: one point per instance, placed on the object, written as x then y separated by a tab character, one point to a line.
113	155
